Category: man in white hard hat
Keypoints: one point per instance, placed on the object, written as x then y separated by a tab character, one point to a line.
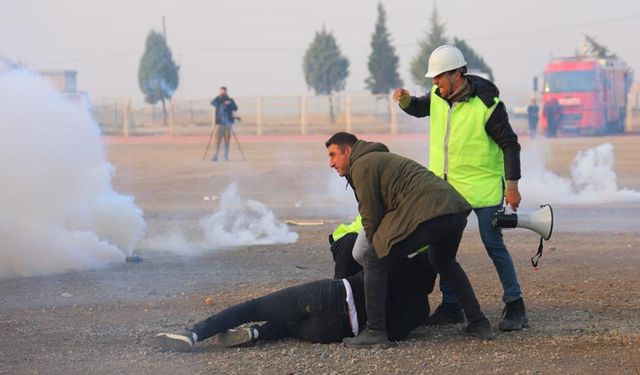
474	148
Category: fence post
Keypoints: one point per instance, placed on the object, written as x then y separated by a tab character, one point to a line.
347	111
115	113
171	109
191	113
127	112
259	116
394	111
303	114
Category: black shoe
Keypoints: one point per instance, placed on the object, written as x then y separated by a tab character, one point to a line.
481	329
514	316
215	158
368	338
446	313
181	342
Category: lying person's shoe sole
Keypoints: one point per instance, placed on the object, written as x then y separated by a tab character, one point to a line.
170	341
235	337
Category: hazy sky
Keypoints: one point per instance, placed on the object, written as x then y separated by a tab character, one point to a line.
256	47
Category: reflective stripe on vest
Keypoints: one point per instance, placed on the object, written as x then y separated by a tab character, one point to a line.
463	153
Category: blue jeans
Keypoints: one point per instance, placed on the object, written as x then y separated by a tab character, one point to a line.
494	244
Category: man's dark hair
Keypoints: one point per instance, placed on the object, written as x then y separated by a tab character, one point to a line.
342	140
463	70
223	88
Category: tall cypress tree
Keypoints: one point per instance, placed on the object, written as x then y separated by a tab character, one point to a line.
433	39
325	68
474	61
383	61
158	73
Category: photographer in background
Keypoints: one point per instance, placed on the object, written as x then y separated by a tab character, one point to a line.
225	106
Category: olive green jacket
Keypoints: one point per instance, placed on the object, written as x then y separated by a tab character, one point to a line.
396	194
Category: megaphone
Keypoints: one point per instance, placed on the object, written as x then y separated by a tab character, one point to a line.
540	221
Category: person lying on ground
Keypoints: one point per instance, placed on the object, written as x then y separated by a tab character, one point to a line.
323	311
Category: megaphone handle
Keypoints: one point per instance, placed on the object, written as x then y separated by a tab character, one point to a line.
536	258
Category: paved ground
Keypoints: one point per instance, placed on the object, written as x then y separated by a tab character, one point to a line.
584	301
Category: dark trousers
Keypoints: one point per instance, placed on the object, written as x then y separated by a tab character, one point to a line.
223	132
552	129
443	235
315	311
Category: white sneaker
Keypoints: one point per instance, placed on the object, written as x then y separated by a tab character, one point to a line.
235	337
177	342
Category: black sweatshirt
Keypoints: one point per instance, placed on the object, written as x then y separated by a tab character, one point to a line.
498	126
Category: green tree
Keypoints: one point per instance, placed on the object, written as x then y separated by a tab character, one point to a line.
158	73
474	61
591	47
325	68
434	38
383	61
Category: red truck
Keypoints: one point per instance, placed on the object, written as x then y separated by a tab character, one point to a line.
592	94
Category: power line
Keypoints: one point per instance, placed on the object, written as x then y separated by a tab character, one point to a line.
88	58
267	49
557	28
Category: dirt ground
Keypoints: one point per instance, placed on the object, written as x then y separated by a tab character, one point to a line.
583	301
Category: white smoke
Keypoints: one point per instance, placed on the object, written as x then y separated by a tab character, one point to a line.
236	222
593	180
58	209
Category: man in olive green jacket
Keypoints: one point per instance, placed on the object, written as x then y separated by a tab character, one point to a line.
404	207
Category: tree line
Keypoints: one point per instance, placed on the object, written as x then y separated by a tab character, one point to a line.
325	68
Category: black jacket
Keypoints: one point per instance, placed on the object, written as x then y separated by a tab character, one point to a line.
498	126
224	112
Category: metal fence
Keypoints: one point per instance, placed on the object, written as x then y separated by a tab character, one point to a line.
360	113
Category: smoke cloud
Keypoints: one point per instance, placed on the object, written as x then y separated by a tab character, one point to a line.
58	210
593	180
236	222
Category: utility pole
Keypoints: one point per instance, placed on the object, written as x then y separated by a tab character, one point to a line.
164	29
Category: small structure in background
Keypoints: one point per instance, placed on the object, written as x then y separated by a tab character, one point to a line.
65	81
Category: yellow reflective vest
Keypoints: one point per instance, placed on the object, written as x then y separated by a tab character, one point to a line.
463	153
343	229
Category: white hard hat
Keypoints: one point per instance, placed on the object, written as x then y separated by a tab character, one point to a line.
444	59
